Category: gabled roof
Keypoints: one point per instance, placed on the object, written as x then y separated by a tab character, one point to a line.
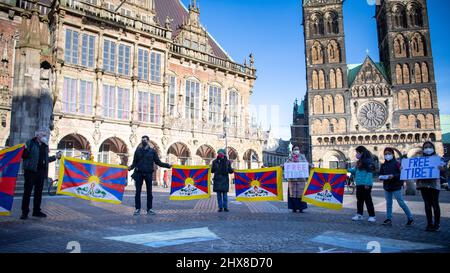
179	13
353	70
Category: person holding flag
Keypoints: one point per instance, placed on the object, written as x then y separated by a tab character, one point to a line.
296	186
143	161
221	168
35	165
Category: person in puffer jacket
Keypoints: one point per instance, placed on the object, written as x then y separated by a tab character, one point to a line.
363	173
390	175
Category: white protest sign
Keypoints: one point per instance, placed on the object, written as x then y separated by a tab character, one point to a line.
421	168
294	170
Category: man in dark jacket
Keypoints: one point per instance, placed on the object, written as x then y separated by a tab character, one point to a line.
143	161
35	166
221	168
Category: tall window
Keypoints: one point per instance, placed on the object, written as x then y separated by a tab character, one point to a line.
71	50
69	99
192	100
155	67
109	101
234	108
143	106
215	104
172	95
124	60
143	64
154	108
86	93
123	103
87	50
109	56
149	107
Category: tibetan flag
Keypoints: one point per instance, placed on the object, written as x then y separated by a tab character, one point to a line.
92	181
259	184
190	182
9	168
325	188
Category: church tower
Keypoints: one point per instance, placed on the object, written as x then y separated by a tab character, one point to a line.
405	50
326	67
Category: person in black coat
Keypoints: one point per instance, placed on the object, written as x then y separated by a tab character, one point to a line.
390	175
221	168
143	161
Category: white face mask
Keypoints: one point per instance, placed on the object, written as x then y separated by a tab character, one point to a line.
428	151
296	152
44	139
388	157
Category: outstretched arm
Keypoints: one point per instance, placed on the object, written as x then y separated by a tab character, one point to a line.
159	163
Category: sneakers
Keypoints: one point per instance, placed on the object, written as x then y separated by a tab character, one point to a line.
39	214
372	219
358	217
410	222
387	222
430	228
137	212
151	212
220	210
226	210
437	227
24	216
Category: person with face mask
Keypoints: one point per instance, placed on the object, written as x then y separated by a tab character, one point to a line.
363	173
390	175
221	168
144	159
296	186
430	189
35	165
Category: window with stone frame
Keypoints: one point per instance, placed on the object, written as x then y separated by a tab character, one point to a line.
234	108
87	50
143	64
123	103
71	47
155	108
143	106
171	97
192	97
109	56
69	96
155	67
123	62
109	101
215	104
86	97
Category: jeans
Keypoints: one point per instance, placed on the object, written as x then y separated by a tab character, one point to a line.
363	195
36	180
399	197
139	181
222	199
431	200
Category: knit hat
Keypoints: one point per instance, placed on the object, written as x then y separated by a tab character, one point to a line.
221	151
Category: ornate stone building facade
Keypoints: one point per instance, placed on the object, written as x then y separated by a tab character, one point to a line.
117	70
392	103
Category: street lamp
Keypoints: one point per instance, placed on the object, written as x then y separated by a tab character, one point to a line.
225	128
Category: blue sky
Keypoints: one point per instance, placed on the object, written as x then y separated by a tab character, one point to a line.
271	29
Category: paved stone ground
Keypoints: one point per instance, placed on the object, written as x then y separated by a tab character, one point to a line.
248	227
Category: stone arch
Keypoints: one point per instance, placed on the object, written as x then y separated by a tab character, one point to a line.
332	79
316	126
403	100
113	150
400	49
325	126
342	127
328	104
251	159
420	122
331	22
321	79
339	105
233	156
333	52
432	137
425	97
334	159
417	73
315	80
339	78
414	99
411	122
179	152
75	145
425	72
316	24
206	153
430	121
403	122
399	74
317	53
406	74
415	15
418	48
399	16
318	104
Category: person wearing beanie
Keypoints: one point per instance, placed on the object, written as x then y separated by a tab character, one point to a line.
221	168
